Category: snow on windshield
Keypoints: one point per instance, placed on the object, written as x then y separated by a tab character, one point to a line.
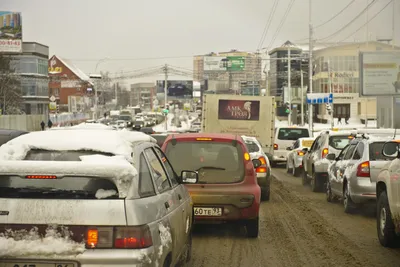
114	142
23	243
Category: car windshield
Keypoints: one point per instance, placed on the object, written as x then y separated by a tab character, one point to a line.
216	162
292	133
339	142
125	118
48	155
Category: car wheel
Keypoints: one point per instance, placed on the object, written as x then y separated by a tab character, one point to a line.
385	226
329	195
348	204
304	178
265	193
252	228
295	171
315	182
288	169
273	164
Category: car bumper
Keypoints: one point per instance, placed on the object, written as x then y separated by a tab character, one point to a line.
96	258
321	166
362	190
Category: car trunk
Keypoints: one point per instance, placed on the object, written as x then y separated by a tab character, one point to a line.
45	201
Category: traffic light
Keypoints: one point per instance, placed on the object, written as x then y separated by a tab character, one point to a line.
287	107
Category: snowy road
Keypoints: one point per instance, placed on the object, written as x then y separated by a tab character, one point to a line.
298	228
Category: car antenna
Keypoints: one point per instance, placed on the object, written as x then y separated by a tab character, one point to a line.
395	131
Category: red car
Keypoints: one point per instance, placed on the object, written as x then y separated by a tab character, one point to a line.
227	188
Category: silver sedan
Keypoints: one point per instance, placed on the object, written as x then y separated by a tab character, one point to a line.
295	156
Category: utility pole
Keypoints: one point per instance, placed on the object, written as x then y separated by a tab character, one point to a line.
289	88
330	91
393	24
302	96
166	94
310	68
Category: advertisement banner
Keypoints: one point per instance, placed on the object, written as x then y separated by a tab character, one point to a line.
214	63
236	63
10	32
175	89
380	73
248	110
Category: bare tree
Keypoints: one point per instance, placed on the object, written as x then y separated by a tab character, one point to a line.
10	92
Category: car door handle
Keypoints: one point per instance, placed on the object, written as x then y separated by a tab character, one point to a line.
166	205
179	197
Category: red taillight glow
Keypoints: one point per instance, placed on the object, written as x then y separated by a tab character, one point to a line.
363	169
261	170
41	177
133	237
325	152
263	161
276	146
92	238
300	153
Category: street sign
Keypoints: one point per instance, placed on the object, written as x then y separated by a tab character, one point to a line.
52	98
319	98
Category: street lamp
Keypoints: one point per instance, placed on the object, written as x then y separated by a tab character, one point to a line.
96	77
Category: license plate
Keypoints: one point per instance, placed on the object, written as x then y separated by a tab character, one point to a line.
207	211
35	264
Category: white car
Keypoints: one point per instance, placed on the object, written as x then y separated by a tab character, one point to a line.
264	171
294	162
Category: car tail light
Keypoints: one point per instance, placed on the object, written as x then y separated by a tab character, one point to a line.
246	156
363	169
300	153
325	152
133	237
276	146
263	161
92	238
261	170
41	177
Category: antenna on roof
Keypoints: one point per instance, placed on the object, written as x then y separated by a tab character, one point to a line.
395	131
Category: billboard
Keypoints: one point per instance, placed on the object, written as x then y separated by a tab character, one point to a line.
248	110
10	32
380	73
175	89
230	63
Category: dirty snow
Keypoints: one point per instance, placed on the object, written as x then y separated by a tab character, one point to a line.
165	238
24	243
101	193
121	172
184	119
115	142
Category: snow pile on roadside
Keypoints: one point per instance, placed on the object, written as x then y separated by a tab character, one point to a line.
186	123
23	243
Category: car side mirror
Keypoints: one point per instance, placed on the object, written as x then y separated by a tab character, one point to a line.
331	156
305	150
189	177
256	163
289	148
391	150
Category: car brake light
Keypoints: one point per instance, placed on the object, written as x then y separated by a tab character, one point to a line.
325	152
133	237
203	139
263	161
261	170
276	146
363	169
300	153
41	177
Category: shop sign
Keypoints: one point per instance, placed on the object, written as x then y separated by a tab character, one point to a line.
54	69
342	74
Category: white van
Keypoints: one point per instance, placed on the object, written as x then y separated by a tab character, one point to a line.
284	138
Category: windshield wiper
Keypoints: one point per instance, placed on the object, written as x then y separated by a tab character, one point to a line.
211	168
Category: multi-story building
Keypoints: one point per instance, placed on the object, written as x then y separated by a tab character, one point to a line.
337	71
31	66
71	88
142	94
234	71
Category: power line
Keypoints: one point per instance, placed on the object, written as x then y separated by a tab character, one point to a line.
267	25
340	12
281	23
370	19
130	59
349	23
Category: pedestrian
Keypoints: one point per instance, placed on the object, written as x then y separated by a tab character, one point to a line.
339	120
346	120
49	124
42	124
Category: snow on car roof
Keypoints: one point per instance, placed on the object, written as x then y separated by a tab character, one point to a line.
114	142
249	139
85	125
118	169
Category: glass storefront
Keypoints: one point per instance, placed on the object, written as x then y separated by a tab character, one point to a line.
34	87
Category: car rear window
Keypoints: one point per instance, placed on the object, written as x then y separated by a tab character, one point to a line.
47	155
292	133
57	188
375	151
339	142
216	162
252	146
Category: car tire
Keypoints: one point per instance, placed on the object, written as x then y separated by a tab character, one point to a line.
295	171
273	164
304	178
265	193
252	227
329	195
315	182
348	204
385	226
288	170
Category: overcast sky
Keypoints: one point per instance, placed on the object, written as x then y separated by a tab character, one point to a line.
152	33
